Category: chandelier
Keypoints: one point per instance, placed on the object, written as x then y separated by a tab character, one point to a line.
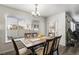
36	12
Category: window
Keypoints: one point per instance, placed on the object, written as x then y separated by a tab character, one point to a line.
72	26
15	27
77	27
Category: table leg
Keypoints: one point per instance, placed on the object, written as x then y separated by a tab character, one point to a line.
33	51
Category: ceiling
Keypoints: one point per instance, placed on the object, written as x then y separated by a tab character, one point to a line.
48	9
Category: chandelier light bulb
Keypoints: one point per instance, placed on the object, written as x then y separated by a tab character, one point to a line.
36	12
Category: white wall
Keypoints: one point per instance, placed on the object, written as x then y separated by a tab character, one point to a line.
42	25
10	11
59	20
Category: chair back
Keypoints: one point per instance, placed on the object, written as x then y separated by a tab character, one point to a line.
52	44
35	35
55	44
49	43
27	35
40	49
15	46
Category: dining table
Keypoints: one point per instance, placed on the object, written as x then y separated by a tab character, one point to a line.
31	43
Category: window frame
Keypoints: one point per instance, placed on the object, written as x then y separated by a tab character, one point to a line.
6	38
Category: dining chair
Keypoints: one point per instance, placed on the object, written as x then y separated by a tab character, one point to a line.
42	49
35	35
49	43
55	45
21	51
52	45
27	35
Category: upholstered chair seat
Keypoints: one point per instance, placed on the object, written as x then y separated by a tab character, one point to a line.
24	51
39	51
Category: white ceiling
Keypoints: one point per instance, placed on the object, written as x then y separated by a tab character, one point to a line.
47	9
